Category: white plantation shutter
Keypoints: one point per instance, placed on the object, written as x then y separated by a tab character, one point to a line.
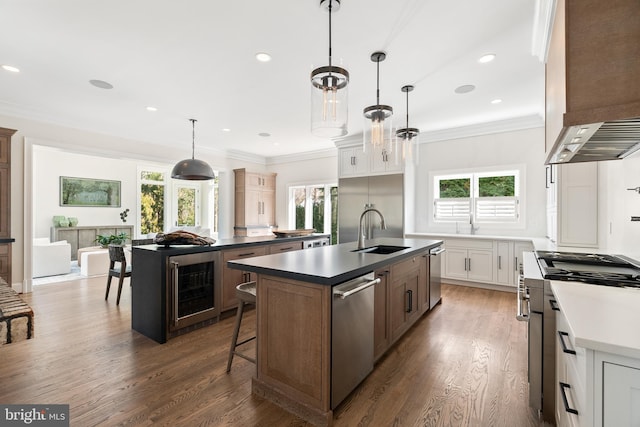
452	209
498	209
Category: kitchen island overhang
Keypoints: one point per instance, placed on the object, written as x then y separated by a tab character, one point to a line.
295	310
332	265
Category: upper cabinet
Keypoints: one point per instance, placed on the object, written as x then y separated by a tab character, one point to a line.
572	204
255	202
354	161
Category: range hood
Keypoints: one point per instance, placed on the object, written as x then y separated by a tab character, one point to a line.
593	81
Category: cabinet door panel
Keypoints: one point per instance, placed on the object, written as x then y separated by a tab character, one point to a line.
621	391
232	277
455	263
503	263
480	266
380	324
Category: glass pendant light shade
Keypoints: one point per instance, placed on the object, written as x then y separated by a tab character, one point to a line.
192	169
378	118
329	102
329	94
407	137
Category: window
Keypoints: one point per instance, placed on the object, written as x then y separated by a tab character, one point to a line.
314	206
152	198
481	197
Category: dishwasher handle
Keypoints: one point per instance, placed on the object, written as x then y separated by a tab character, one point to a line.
345	294
437	251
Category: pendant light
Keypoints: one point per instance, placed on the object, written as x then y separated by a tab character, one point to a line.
192	169
408	137
329	94
379	116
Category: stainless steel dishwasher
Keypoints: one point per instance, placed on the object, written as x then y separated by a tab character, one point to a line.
435	279
351	335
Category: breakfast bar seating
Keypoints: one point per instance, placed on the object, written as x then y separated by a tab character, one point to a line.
246	294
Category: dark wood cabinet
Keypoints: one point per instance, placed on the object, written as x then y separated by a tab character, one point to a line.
5	203
404	295
232	278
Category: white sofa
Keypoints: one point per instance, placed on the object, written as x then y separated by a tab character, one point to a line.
51	258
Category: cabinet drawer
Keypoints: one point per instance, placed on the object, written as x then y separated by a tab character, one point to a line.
277	248
4	264
243	253
469	243
403	267
4	250
577	362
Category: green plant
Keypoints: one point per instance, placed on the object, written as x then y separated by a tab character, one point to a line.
115	239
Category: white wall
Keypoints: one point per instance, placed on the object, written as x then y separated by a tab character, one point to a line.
50	163
617	205
482	152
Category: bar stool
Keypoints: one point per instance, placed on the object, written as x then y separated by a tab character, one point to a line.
246	294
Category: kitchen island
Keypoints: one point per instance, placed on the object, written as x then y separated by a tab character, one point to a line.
295	314
176	289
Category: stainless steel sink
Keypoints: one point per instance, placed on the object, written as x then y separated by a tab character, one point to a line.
381	249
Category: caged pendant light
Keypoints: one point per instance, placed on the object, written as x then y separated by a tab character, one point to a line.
192	169
407	137
329	94
380	134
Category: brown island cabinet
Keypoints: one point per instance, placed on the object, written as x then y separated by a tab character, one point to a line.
294	315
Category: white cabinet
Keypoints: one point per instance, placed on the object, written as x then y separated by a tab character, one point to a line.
504	257
384	162
469	259
551	186
354	161
594	388
577	205
518	248
621	395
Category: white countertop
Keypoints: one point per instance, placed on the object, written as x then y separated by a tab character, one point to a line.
601	318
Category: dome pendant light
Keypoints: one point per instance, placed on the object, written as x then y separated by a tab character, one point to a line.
192	169
408	137
380	134
329	94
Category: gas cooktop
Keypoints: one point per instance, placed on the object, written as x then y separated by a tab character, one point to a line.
597	269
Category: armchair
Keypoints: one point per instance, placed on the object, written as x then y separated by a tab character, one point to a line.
51	258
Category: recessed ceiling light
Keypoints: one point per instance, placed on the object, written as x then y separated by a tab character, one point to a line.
264	134
263	57
101	84
487	58
464	89
496	101
226	130
11	68
152	108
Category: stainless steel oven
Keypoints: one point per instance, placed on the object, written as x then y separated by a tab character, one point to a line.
535	305
191	289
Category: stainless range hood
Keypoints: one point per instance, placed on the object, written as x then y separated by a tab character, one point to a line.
592	81
612	140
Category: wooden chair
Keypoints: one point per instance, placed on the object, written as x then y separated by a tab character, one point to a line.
116	255
246	294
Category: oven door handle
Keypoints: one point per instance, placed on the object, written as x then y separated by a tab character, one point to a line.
522	298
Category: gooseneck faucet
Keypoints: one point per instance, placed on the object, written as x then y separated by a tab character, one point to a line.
361	227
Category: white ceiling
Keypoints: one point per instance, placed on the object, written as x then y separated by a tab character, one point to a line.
195	59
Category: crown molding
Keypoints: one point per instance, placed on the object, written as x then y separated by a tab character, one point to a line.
299	157
507	125
545	12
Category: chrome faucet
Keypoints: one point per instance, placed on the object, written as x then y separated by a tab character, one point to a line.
361	227
473	227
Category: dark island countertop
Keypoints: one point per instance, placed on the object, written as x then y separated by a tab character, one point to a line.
231	243
332	265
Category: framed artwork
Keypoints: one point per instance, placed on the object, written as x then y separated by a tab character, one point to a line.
89	192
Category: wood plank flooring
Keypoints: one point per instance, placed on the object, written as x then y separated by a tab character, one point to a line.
464	364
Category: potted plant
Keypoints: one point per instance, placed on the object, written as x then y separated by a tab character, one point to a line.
111	239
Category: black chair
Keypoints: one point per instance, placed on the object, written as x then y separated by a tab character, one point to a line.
116	255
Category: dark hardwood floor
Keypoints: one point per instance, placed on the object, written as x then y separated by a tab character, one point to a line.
464	364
